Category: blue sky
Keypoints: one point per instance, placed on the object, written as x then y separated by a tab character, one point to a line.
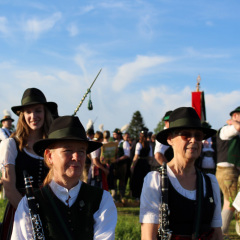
150	53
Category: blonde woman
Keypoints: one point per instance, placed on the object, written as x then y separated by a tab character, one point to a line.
17	154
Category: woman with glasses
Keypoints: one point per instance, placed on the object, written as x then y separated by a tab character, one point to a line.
179	200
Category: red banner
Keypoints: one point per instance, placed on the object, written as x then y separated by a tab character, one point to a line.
198	103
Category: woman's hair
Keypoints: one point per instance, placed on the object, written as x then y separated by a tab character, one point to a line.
143	140
98	136
22	129
106	134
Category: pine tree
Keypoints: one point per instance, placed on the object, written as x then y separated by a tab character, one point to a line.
159	127
136	125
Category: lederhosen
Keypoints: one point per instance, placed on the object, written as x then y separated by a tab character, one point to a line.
141	169
36	169
183	212
68	223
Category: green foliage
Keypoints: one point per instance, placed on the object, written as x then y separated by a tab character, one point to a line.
159	127
3	204
136	125
128	226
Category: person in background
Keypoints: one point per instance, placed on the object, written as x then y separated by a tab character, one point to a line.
5	132
90	133
90	136
163	153
228	166
120	165
17	153
6	129
207	160
194	198
68	207
106	136
98	172
140	165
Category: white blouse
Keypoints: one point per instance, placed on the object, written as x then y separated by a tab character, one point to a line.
9	152
151	197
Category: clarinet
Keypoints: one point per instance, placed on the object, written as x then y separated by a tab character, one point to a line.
38	233
164	232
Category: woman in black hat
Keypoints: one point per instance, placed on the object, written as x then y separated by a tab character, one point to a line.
68	208
192	197
17	154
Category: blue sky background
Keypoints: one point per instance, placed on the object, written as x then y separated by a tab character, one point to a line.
150	52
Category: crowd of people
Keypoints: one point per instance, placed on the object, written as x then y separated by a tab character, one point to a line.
79	175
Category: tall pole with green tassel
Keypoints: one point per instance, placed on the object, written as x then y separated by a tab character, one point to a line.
85	95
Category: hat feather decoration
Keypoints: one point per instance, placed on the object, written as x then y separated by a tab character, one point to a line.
89	124
101	127
6	113
125	128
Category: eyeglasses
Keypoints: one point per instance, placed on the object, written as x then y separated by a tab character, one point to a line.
187	135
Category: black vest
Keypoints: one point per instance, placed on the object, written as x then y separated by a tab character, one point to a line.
144	152
35	168
61	222
228	150
183	211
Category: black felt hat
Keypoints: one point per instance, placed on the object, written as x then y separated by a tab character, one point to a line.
166	116
33	96
65	128
235	110
7	116
184	118
117	130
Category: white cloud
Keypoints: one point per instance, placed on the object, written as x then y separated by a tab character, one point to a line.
191	52
87	9
219	105
130	72
3	25
145	26
73	30
35	27
29	78
209	23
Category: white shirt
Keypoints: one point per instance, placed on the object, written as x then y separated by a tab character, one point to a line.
126	147
3	134
105	218
139	147
96	153
227	132
9	152
151	197
160	148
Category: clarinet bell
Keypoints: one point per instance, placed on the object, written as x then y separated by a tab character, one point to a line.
90	106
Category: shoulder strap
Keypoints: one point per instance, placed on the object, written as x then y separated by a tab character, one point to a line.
199	199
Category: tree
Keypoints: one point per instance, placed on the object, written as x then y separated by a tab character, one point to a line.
136	125
159	127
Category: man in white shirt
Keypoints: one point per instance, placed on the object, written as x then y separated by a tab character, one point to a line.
6	121
68	208
228	165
